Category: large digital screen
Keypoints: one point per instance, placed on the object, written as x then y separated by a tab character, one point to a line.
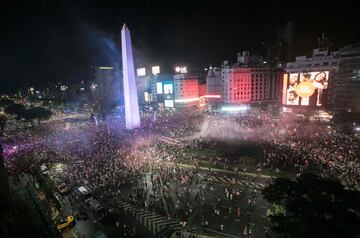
169	103
146	97
141	71
159	88
305	89
168	89
155	70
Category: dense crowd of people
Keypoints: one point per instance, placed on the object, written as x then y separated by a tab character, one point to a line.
140	166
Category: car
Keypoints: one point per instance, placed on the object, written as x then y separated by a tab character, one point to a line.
57	199
82	193
66	222
96	206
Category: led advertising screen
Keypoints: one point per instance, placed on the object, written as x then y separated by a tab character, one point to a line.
169	103
168	89
181	69
155	70
305	89
141	71
159	88
146	97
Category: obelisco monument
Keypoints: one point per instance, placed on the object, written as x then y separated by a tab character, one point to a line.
132	115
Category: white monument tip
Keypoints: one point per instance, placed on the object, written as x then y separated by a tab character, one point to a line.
125	27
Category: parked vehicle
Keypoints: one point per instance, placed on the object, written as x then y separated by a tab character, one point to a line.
82	193
96	206
66	222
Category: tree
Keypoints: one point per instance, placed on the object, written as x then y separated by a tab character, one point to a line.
14	109
27	115
313	207
38	113
6	102
42	113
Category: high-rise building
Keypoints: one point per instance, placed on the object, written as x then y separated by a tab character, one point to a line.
347	85
281	50
106	87
251	85
214	83
186	90
248	81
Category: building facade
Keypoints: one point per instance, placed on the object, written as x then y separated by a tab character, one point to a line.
143	84
214	86
346	94
342	84
163	92
106	88
186	90
251	85
246	82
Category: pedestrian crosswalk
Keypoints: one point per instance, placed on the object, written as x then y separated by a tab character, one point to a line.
154	222
228	181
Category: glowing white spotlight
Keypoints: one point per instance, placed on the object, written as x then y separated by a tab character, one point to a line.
186	100
234	108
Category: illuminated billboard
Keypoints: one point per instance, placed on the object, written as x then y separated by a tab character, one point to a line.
105	67
159	88
181	69
169	103
168	89
141	71
146	97
155	70
305	89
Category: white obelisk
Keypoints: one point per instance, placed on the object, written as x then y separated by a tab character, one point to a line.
132	115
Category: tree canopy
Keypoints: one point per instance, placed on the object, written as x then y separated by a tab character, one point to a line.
34	113
6	102
38	113
14	109
313	207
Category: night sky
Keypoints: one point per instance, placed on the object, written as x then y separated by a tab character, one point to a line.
53	41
